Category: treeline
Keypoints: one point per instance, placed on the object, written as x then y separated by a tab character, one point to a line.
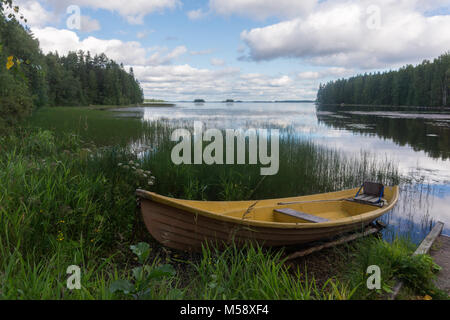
427	84
30	79
80	79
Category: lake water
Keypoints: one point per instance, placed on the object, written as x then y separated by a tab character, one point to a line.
417	141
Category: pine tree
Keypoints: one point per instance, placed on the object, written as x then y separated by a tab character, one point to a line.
427	84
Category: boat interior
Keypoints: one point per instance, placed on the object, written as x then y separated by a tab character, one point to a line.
305	209
304	212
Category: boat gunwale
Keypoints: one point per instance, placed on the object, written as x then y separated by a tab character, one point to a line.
368	216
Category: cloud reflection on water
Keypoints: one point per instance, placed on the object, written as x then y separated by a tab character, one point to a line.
423	202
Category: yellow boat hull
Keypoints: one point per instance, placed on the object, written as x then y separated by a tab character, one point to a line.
187	225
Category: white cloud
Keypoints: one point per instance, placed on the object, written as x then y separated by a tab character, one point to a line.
144	34
281	81
202	52
177	81
35	14
130	52
181	73
133	10
262	81
326	73
217	62
309	75
430	4
181	82
160	76
262	9
337	33
88	24
264	87
162	56
196	14
141	35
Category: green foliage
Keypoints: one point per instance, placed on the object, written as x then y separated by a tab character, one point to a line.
42	142
305	167
29	79
251	272
149	281
396	262
141	250
15	100
50	194
427	85
417	271
79	79
35	276
63	202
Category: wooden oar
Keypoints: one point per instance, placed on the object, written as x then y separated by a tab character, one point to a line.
331	200
311	201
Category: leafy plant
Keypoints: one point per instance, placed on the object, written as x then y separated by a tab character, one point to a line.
396	262
146	279
141	250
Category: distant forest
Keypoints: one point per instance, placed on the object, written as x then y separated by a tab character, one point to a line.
30	79
427	85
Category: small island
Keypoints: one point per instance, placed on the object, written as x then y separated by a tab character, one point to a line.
199	101
157	103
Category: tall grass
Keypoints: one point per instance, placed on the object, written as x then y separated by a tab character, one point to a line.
304	168
396	262
253	273
64	200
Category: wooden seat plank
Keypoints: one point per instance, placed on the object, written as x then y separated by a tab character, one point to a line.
367	198
301	215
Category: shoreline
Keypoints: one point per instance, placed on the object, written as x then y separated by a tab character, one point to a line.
343	105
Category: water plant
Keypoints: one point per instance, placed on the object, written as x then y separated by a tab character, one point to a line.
252	272
67	198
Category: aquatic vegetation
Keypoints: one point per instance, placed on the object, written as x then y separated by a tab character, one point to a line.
396	262
254	273
67	198
65	201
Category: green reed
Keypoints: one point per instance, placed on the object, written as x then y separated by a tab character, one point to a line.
254	273
67	197
396	262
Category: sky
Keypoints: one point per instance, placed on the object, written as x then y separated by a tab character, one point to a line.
243	49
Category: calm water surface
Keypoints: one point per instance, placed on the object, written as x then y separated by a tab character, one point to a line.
418	142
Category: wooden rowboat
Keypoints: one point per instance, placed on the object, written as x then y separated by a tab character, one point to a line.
187	225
